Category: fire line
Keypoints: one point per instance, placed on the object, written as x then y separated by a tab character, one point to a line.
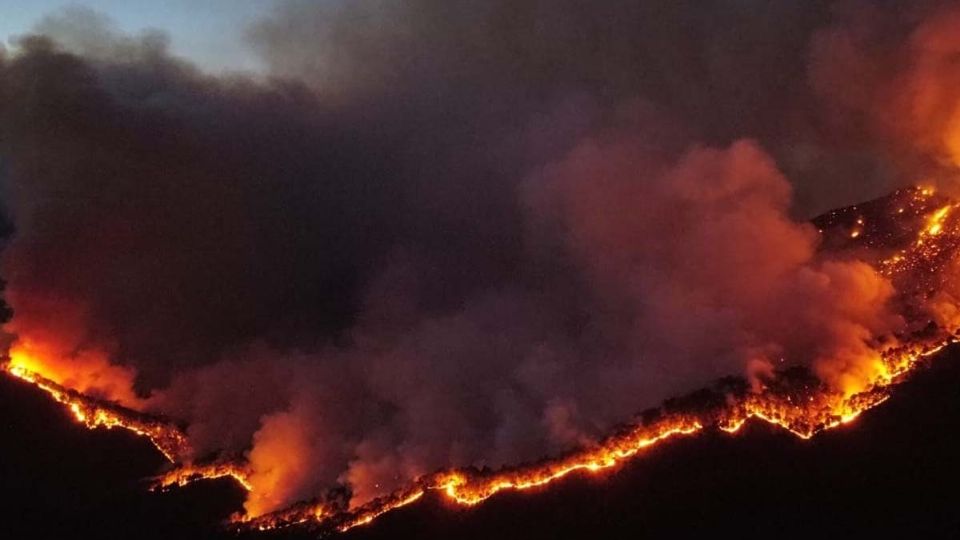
789	399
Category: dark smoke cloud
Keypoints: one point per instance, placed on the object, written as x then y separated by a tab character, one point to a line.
440	233
217	211
890	75
724	70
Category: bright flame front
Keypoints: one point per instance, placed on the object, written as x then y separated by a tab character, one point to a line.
802	407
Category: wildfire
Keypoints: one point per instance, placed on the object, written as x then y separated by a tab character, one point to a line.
467	490
936	220
187	474
799	408
94	413
913	254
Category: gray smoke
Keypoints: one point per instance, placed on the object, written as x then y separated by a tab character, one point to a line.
439	233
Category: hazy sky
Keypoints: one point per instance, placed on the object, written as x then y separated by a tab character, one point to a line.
209	32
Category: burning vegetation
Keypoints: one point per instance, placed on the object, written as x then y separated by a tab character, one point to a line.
911	237
358	283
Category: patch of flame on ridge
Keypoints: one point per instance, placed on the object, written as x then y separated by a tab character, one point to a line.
457	486
187	474
165	436
94	413
368	517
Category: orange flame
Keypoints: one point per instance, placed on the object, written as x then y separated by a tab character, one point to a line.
802	408
805	415
94	413
186	474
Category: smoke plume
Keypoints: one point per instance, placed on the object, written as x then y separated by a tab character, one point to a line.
448	234
892	73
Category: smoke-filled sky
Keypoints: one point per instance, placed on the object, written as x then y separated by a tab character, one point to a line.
440	233
210	33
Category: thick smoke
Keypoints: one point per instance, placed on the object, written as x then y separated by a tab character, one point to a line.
440	234
897	74
893	74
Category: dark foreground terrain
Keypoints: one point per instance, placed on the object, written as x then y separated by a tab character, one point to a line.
894	471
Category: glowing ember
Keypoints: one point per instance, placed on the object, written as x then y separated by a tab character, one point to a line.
94	413
936	221
919	240
186	474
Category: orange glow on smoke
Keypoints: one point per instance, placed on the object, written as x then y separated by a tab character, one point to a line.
804	416
929	253
88	371
93	413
